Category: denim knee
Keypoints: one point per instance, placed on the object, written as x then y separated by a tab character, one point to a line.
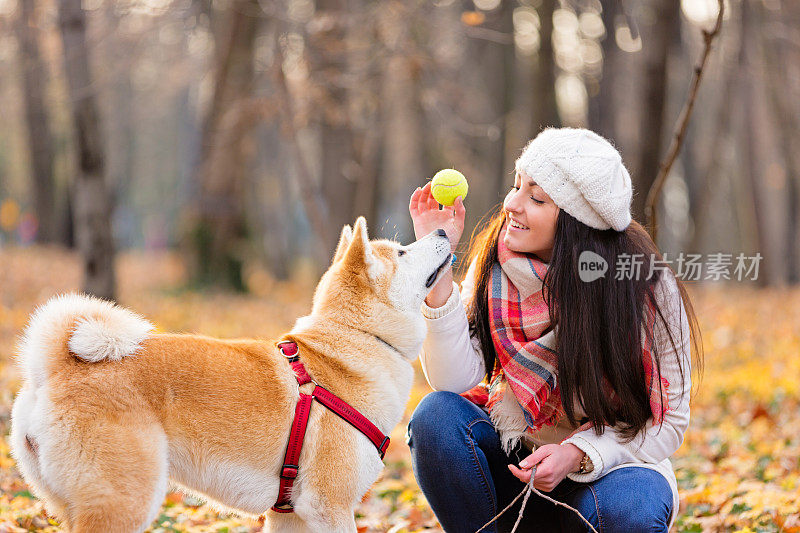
647	506
647	516
584	500
432	416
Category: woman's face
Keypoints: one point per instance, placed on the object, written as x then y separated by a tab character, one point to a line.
527	204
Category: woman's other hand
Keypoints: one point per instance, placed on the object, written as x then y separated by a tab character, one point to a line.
554	462
427	216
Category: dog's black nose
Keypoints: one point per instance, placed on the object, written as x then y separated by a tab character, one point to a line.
441	233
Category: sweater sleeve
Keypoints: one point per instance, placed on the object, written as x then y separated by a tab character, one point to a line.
654	443
451	359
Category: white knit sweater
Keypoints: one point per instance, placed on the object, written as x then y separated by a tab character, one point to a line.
453	361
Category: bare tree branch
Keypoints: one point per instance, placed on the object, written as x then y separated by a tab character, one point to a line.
680	128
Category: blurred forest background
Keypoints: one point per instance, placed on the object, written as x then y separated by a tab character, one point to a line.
197	159
245	133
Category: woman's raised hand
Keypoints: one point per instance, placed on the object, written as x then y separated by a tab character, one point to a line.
427	216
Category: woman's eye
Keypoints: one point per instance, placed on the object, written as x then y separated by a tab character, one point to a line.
401	252
514	187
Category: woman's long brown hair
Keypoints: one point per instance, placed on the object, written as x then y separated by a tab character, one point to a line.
600	323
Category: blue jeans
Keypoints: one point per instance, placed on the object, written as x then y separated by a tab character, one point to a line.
462	470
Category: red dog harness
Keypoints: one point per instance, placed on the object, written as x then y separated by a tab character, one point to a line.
301	413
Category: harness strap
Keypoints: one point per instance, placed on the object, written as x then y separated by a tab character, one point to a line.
292	457
300	373
301	414
353	417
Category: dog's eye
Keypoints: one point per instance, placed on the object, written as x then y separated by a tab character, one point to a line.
401	252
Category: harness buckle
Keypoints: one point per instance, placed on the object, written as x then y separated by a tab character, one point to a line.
283	508
384	446
289	471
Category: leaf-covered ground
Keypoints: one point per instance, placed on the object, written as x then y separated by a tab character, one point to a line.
738	470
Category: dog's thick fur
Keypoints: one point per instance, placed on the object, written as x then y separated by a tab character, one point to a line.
110	413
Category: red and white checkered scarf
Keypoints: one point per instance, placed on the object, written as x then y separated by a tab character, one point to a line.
525	345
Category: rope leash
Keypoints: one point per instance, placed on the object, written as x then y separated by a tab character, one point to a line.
527	492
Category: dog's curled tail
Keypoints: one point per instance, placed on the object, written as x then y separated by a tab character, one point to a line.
81	326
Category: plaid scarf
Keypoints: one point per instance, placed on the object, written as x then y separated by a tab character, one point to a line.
525	344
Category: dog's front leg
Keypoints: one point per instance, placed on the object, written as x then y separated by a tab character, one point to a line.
335	522
285	523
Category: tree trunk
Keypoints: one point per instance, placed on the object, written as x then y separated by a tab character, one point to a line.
40	139
750	149
402	154
786	124
366	59
220	230
92	202
275	214
328	58
656	45
543	75
120	147
277	217
487	79
602	106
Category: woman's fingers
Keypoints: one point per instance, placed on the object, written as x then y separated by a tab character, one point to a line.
413	203
419	199
522	475
427	198
539	455
459	208
422	201
540	481
457	211
423	193
421	204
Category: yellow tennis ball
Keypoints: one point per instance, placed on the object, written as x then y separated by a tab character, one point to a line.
448	184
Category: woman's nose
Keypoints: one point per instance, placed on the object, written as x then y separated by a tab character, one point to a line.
511	202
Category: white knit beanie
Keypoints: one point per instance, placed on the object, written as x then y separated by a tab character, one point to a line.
583	174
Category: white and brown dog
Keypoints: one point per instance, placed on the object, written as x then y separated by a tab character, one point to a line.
110	413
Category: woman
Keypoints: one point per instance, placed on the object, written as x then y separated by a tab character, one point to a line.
622	355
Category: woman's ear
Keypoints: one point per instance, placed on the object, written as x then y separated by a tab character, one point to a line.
344	241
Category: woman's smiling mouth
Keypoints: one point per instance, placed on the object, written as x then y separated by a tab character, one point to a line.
516	225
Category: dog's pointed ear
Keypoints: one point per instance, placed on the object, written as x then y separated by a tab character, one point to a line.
344	242
359	243
359	253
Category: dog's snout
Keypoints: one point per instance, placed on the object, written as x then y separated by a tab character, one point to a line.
441	233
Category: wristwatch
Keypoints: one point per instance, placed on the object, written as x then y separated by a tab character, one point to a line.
586	465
